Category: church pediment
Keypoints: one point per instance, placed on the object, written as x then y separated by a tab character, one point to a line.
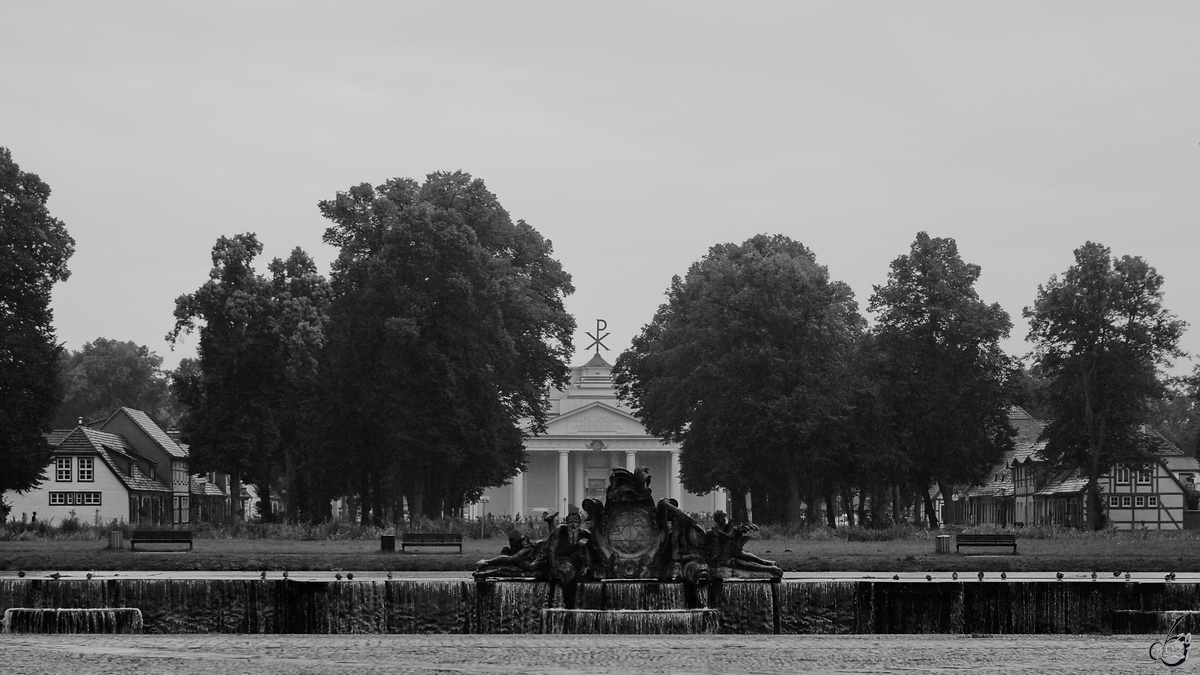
595	419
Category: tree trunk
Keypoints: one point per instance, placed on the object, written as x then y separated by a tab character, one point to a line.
737	506
416	500
848	497
950	514
897	505
930	512
376	500
862	506
793	513
877	504
364	501
291	493
237	510
263	485
811	517
830	509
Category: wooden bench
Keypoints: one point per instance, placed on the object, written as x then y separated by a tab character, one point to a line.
418	539
986	540
160	537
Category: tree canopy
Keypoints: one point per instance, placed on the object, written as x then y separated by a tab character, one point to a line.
448	328
260	339
748	365
34	249
943	373
107	374
1101	335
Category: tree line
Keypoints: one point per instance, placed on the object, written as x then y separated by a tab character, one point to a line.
412	374
764	371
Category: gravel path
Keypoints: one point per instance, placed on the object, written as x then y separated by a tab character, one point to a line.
536	654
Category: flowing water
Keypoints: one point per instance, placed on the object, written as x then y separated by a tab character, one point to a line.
516	606
22	620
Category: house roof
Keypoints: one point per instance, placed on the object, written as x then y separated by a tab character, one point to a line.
143	421
1018	413
1065	483
83	440
1029	452
199	485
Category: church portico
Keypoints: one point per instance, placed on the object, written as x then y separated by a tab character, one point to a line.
588	434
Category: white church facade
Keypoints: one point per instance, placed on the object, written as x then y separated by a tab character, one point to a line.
588	433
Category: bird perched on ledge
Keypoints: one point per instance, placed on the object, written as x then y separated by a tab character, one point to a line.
1003	575
1060	576
981	576
954	576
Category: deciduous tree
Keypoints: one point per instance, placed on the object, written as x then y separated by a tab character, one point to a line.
1100	335
107	374
747	366
257	359
448	330
34	249
943	372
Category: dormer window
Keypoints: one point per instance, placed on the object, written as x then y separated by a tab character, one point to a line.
1143	478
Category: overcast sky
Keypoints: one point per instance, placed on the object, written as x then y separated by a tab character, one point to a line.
632	135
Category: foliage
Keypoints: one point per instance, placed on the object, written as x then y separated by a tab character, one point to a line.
942	370
252	386
1101	334
747	366
108	374
448	330
34	249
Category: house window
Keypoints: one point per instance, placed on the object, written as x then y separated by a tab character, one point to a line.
58	498
1125	501
1122	476
1114	501
1139	501
62	470
89	498
1152	501
1143	478
86	473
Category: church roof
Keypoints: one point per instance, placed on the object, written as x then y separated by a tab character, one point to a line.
597	361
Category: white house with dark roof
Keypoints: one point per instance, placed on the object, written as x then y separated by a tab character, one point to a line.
124	468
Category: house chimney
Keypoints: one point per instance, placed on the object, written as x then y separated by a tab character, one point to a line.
80	421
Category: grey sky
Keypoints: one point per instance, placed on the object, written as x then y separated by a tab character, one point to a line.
633	135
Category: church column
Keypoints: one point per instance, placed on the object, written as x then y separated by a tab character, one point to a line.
579	488
561	507
631	460
673	479
518	494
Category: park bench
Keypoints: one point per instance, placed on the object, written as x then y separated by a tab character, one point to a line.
160	537
436	539
986	540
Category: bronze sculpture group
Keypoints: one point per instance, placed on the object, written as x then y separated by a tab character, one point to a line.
628	536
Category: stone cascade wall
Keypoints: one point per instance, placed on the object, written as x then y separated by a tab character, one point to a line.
515	606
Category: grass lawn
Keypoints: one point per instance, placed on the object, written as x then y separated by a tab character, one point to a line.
1126	551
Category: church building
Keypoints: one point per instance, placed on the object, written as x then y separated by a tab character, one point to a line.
588	433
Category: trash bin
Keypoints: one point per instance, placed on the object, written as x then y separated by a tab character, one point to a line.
943	543
114	539
387	542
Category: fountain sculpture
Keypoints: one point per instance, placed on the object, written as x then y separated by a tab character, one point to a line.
628	536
